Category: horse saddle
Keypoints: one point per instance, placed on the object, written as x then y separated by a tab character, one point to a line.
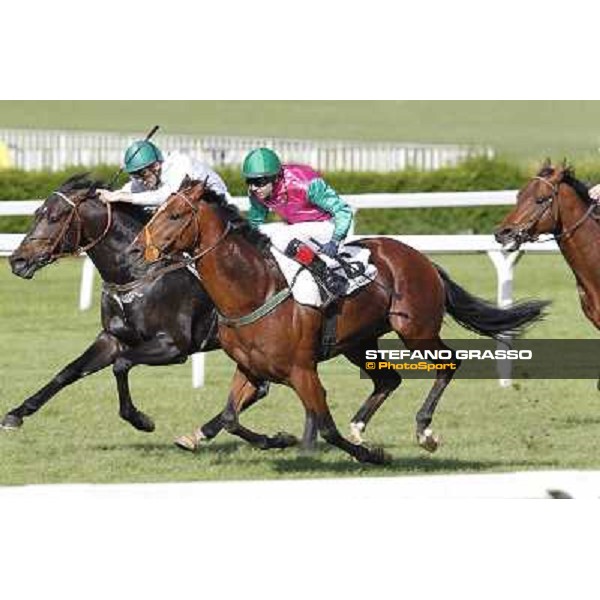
340	277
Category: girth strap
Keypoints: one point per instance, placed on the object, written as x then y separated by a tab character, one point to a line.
271	304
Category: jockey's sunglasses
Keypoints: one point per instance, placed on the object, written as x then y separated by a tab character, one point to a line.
259	181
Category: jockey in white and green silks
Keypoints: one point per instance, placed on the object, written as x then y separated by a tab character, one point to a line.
153	178
309	207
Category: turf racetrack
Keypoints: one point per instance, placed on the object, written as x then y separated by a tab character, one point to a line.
78	436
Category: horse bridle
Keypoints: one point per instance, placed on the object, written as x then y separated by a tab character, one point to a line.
155	252
547	203
74	215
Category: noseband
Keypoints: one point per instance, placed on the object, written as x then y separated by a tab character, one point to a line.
74	215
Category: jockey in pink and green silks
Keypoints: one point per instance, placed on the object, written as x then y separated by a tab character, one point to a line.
299	195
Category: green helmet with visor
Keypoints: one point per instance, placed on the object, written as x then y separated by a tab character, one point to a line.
261	162
140	155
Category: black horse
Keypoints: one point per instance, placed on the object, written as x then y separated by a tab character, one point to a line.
158	318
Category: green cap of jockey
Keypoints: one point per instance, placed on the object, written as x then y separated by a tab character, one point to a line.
261	162
140	155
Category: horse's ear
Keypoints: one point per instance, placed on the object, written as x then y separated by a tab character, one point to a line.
186	183
547	163
565	168
197	188
566	165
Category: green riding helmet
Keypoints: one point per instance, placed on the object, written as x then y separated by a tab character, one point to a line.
140	155
261	162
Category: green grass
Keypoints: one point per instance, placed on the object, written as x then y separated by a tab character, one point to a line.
527	130
78	436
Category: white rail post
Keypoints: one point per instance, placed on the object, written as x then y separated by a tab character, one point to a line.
87	284
198	370
504	263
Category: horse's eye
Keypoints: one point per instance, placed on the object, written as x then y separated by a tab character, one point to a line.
542	199
174	216
53	218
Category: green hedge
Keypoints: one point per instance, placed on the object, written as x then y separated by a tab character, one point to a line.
474	175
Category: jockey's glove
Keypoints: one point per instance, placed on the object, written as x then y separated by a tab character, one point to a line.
330	248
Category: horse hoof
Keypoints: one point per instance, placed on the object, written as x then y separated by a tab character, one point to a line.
374	455
356	430
284	440
381	456
428	440
186	442
377	456
140	421
11	422
190	442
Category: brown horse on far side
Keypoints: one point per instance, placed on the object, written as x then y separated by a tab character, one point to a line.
410	296
555	202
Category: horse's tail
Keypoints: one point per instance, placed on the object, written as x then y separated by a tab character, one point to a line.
484	318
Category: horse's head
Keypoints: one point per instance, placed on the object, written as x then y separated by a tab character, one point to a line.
174	228
58	228
537	210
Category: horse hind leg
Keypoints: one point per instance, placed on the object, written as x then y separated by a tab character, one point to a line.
242	389
307	385
384	383
210	429
443	375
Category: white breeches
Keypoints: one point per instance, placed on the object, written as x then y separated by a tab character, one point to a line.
282	234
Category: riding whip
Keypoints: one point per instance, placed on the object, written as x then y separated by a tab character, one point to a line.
118	174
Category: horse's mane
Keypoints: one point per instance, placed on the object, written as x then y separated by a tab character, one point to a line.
80	181
240	224
581	189
83	181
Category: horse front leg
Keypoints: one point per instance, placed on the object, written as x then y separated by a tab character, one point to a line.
307	385
155	352
241	390
99	355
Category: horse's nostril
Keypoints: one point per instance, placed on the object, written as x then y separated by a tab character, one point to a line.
16	262
502	234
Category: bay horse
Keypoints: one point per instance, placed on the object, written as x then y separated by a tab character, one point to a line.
157	317
271	337
555	202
